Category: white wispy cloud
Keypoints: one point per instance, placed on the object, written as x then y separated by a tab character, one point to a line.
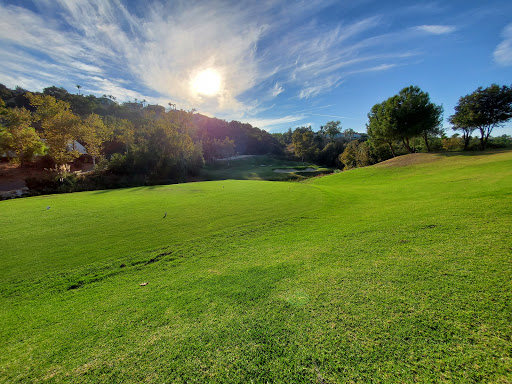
378	68
503	52
333	116
261	50
320	86
271	123
436	29
277	90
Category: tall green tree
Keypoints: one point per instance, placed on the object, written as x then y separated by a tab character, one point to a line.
303	142
483	110
349	133
355	155
61	127
164	150
332	129
404	116
17	134
94	134
415	115
380	127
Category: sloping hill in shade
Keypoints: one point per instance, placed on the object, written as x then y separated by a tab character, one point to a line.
387	274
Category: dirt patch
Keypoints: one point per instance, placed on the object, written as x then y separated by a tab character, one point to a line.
411	159
12	176
291	170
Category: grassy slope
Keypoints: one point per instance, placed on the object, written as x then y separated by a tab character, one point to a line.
391	273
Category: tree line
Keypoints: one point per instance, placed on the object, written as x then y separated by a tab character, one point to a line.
133	141
411	114
139	143
405	123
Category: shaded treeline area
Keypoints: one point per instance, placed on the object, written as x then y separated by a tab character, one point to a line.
130	143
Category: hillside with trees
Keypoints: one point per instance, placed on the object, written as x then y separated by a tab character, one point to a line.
130	143
136	143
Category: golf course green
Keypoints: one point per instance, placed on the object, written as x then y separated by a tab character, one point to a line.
394	273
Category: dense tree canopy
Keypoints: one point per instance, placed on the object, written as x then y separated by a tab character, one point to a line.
130	139
95	134
17	134
158	145
380	127
482	110
303	142
404	116
61	127
355	155
332	129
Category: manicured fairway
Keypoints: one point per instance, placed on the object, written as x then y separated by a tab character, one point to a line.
259	167
400	272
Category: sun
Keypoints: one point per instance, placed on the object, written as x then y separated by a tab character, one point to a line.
207	82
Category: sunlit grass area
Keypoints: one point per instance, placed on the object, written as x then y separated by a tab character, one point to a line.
395	273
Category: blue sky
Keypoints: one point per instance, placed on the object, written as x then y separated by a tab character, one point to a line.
281	63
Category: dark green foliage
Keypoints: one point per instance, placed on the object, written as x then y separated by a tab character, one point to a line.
403	117
332	129
304	144
154	145
285	138
55	183
482	110
355	155
164	153
248	139
380	128
5	93
218	149
329	154
379	152
503	141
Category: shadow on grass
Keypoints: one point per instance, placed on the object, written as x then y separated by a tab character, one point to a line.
487	152
102	191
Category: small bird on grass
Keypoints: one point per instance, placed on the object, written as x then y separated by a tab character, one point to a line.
48	207
165	215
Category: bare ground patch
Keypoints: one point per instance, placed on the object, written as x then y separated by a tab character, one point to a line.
12	176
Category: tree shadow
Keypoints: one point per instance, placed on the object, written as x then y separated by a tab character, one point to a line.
487	152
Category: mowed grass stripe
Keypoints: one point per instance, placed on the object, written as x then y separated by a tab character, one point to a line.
392	274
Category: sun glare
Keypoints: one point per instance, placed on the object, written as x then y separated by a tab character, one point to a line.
207	82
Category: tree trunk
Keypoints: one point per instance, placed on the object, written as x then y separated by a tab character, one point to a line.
466	141
485	136
425	137
406	143
392	150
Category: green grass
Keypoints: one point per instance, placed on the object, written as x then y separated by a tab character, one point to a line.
381	274
259	168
